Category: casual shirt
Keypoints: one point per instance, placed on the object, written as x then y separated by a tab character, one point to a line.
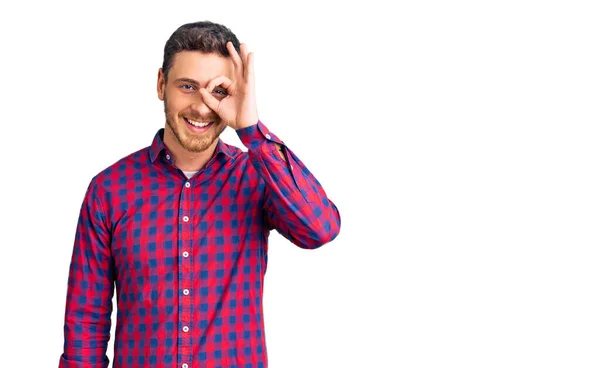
187	255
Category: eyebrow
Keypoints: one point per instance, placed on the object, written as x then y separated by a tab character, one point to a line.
188	80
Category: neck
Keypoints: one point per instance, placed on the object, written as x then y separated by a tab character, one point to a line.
184	159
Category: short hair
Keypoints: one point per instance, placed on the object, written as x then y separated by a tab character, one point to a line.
206	37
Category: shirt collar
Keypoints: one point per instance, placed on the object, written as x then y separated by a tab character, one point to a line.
158	145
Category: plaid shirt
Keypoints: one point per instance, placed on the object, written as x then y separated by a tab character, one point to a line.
188	256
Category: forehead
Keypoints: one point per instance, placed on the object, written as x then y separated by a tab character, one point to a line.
200	66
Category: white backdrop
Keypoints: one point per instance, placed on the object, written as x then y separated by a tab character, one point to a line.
459	141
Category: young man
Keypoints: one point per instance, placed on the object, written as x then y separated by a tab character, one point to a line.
181	226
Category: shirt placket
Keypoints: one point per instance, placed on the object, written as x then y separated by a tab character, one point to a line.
185	307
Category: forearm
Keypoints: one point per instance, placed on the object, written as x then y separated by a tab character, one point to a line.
86	334
87	324
296	204
90	290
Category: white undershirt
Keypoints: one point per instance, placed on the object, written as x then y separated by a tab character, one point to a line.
189	174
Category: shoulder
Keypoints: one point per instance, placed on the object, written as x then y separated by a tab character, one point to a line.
125	169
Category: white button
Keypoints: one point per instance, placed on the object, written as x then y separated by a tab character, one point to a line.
291	167
185	329
168	157
186	291
186	219
268	136
185	254
184	365
187	184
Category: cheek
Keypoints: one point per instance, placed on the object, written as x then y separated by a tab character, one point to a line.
176	103
174	110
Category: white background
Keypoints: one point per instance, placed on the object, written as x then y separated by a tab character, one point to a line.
459	140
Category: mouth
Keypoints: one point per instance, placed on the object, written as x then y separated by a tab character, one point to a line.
198	126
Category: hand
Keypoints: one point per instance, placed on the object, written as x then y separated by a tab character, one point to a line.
238	109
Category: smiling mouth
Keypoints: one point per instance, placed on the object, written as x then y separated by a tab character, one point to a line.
198	124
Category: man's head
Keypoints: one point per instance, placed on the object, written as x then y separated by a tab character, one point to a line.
194	54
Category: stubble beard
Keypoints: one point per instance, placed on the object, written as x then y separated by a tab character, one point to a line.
192	142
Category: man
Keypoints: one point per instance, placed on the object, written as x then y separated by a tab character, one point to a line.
181	226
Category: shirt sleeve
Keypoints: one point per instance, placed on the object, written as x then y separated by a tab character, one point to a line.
90	289
296	205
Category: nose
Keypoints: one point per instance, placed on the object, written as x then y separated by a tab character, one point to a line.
201	109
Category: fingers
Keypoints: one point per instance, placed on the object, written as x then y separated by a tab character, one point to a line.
244	51
237	61
211	101
241	63
249	71
219	81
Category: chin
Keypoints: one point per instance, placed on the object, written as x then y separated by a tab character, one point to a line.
197	142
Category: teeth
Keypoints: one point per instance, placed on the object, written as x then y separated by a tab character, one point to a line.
198	124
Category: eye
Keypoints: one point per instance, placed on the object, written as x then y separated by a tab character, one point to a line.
222	91
185	87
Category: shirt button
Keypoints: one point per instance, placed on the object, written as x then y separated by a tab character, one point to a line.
268	136
186	291
184	365
187	184
186	219
185	254
186	328
168	157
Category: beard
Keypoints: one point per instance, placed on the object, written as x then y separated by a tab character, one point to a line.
188	140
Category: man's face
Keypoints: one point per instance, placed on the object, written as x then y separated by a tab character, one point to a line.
183	102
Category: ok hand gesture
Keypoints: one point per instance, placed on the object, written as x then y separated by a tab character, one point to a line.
238	109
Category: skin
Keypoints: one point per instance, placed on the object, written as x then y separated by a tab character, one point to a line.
206	87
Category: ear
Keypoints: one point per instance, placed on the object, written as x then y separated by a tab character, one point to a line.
161	85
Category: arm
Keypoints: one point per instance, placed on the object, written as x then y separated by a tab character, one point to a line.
296	205
90	289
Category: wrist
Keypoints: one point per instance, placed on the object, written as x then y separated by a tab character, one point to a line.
244	125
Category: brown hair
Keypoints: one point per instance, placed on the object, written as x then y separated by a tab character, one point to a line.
204	36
